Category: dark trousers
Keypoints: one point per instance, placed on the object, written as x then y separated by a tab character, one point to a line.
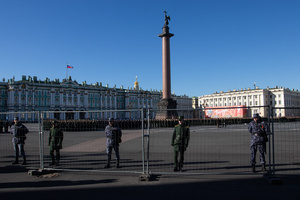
19	148
181	158
261	150
57	155
109	151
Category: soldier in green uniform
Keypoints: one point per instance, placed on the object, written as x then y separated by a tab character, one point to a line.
180	141
55	142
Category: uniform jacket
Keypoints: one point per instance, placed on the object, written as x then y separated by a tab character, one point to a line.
56	137
260	128
181	137
19	132
113	135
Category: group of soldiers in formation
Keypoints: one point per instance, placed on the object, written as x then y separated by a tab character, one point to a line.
180	140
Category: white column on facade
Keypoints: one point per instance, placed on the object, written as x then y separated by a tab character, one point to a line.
78	99
115	115
10	97
110	104
105	101
147	102
72	99
101	104
26	98
101	100
105	104
67	98
86	99
52	98
261	99
110	101
20	91
151	102
139	98
33	98
242	100
127	104
61	98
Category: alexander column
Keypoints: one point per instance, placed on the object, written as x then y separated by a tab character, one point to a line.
166	104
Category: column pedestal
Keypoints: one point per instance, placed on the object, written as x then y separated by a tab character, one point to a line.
167	109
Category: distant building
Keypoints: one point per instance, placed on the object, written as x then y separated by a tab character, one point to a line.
257	100
184	106
31	94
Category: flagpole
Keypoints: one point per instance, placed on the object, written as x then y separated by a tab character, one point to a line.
67	72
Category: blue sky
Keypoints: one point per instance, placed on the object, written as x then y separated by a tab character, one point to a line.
218	45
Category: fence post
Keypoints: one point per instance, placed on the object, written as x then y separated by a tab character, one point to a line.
273	146
143	142
148	140
145	176
41	139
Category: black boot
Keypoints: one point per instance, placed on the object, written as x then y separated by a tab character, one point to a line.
181	168
118	164
16	161
263	168
253	168
52	163
24	161
107	165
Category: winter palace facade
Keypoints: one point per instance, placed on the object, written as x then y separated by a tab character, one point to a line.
70	100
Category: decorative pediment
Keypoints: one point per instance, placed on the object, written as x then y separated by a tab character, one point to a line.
69	83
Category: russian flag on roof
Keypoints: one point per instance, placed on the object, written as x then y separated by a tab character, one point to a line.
69	66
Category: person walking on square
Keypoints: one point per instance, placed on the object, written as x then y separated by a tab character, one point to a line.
19	132
56	137
180	141
114	135
258	129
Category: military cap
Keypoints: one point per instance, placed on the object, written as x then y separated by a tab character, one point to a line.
111	119
255	115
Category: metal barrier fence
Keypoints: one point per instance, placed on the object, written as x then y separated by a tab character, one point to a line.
33	143
218	145
286	141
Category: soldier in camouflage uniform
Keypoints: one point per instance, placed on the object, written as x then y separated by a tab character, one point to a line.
113	141
258	129
180	141
55	142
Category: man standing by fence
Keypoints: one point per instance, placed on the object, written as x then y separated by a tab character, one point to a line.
113	135
258	129
180	141
55	142
19	132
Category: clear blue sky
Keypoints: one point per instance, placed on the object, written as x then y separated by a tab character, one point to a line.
218	45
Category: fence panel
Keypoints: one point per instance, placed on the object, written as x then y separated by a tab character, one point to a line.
32	142
84	143
216	146
286	141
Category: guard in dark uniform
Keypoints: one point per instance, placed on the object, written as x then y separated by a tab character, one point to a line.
19	132
113	141
258	130
180	141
